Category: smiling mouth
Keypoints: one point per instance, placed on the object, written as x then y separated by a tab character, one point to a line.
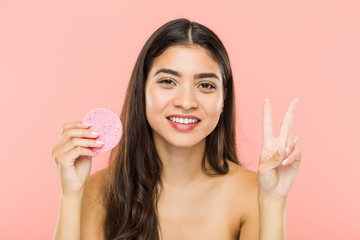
183	125
183	120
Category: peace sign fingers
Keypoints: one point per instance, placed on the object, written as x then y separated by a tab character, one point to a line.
287	122
278	166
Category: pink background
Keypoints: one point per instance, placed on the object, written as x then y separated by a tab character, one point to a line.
60	59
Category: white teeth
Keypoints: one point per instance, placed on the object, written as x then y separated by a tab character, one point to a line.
184	120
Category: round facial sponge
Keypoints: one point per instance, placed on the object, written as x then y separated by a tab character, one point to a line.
108	124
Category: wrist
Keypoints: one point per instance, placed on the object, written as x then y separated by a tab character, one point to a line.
272	199
72	195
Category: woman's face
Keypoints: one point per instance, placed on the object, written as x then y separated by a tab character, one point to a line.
193	88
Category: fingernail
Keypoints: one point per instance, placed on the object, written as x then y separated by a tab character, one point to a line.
295	140
281	151
267	100
99	142
285	161
94	133
296	99
287	150
86	124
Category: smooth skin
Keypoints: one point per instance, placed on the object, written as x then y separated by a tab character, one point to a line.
166	94
240	205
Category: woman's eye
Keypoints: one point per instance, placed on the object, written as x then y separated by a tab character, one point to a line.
204	85
167	81
208	86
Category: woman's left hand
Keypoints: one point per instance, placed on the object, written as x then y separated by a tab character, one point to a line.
274	178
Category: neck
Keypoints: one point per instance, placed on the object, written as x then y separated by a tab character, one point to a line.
181	165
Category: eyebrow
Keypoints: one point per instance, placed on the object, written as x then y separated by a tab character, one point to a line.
196	76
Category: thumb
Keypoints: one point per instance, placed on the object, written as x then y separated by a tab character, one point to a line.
278	157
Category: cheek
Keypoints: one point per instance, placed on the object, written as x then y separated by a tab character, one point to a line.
156	101
212	104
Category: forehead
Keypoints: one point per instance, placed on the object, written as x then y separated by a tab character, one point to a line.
186	59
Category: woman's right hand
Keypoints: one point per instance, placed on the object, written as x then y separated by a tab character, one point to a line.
73	157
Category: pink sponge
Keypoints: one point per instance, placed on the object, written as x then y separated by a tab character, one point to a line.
108	124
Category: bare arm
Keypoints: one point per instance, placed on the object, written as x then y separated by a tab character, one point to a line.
278	166
272	218
265	215
68	222
73	160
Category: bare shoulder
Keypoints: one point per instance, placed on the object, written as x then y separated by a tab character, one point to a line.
243	176
93	186
243	183
245	189
92	210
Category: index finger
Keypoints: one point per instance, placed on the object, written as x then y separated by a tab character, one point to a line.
267	121
287	122
69	125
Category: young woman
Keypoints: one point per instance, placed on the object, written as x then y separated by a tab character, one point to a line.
175	173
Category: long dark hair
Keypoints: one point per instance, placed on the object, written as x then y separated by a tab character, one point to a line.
131	187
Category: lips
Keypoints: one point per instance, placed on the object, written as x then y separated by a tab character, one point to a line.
182	126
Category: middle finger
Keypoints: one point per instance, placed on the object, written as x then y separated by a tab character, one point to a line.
81	142
287	122
290	143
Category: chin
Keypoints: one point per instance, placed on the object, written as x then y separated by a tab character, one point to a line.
184	145
180	141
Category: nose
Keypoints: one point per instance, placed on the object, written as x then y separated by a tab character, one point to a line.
186	98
